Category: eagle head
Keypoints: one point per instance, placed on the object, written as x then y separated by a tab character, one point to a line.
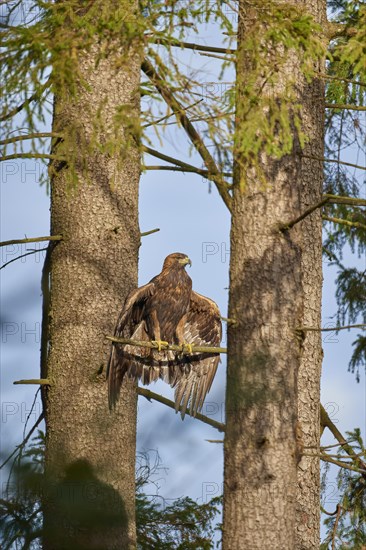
176	260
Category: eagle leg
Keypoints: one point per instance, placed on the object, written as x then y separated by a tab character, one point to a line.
187	348
179	332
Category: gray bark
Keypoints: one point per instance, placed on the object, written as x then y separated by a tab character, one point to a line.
308	474
90	499
275	287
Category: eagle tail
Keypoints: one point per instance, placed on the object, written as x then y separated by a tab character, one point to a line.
116	371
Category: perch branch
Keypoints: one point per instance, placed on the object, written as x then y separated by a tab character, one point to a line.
192	133
151	395
172	347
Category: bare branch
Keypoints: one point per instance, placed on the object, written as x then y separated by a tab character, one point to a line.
145	233
198	171
30	156
321	159
222	57
151	395
288	225
22	256
334	329
192	133
38	381
32	240
171	114
189	45
184	167
29	136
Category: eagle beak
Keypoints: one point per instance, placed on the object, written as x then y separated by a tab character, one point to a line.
186	261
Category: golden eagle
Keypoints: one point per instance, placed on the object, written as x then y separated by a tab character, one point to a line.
167	310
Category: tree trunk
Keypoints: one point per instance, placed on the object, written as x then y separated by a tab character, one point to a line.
275	287
90	456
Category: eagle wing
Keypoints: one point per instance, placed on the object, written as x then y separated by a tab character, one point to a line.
193	374
126	359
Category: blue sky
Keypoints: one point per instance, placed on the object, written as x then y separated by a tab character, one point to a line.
197	223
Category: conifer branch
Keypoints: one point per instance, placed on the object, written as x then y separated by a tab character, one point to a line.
341	464
326	422
192	133
335	30
350	201
288	225
19	447
32	240
348	223
341	79
33	97
322	159
172	347
151	395
345	106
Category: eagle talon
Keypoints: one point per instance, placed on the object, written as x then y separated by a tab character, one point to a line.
187	348
159	344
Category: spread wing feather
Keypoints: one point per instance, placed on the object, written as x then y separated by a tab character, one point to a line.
194	374
132	361
125	359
